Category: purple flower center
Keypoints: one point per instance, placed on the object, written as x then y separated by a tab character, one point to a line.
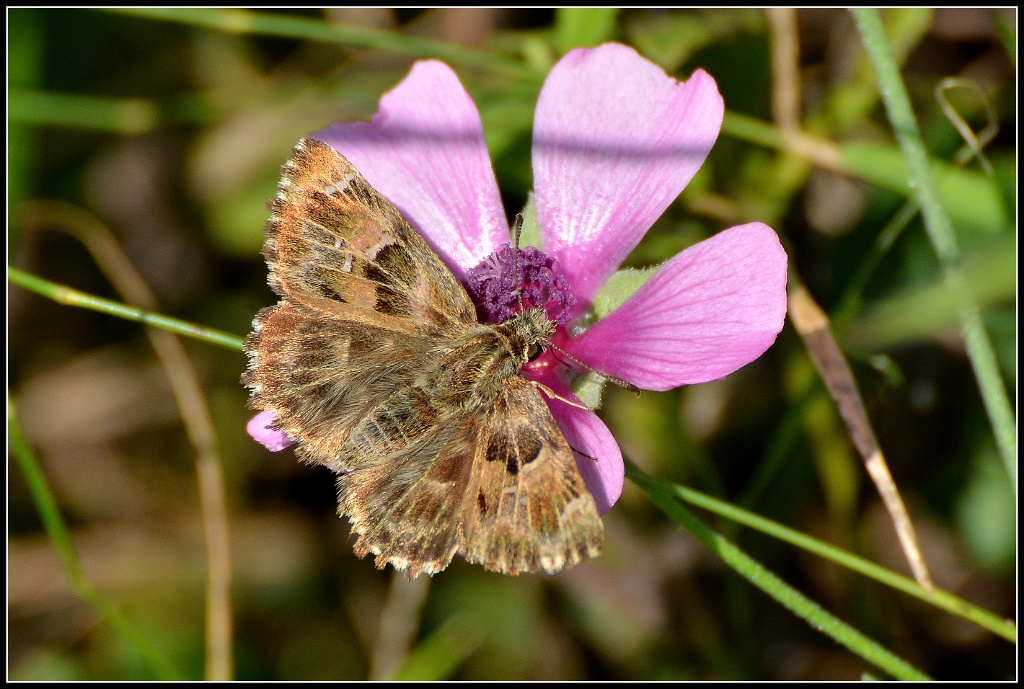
493	285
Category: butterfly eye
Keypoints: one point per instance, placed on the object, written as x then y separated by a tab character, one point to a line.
534	351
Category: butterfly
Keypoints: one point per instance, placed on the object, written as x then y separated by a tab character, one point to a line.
375	364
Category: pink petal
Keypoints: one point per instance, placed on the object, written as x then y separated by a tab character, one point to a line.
708	311
259	427
424	151
602	468
615	140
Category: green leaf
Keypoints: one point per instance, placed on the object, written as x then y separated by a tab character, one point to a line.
930	310
584	27
530	235
588	388
671	39
619	288
974	201
1007	33
443	651
984	511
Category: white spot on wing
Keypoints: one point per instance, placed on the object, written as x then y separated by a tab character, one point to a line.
339	187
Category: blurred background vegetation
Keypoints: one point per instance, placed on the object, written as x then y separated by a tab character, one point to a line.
170	129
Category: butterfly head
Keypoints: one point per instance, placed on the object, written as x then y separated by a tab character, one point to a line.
529	333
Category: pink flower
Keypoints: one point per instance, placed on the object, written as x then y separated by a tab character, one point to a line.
615	141
260	427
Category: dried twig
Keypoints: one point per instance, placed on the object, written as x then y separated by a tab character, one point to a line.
191	403
813	326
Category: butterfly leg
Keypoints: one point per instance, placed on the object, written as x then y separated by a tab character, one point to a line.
555	396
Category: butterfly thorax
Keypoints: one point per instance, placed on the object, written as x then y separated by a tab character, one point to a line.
475	369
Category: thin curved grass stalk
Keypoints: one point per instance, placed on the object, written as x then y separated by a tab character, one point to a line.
851	301
940	234
974	144
191	403
69	296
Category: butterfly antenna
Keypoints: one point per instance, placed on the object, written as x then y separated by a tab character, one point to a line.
611	379
515	260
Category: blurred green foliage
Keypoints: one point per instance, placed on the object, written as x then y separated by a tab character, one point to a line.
171	128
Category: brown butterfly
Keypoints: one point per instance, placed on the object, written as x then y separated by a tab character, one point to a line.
374	362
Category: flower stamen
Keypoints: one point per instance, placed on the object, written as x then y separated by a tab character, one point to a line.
505	283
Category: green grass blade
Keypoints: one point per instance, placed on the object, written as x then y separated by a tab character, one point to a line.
974	201
940	599
61	540
63	294
443	651
246	22
759	576
940	233
125	116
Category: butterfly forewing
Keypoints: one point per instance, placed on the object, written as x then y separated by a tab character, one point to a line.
374	363
336	245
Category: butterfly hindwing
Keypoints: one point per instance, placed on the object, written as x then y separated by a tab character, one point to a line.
500	488
410	460
526	507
